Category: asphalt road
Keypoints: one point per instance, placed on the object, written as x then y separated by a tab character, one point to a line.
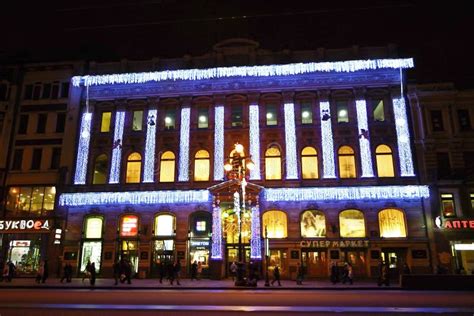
218	302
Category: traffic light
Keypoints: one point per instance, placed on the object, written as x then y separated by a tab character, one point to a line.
57	236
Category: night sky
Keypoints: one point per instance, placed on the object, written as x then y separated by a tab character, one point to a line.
437	35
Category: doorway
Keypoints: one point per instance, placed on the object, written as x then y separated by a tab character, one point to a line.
316	263
357	259
395	257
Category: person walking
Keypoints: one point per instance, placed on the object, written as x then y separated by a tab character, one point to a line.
384	278
39	274
194	270
126	267
299	274
276	275
45	271
116	271
334	273
177	271
233	270
170	272
11	271
86	273
65	273
161	270
199	270
93	274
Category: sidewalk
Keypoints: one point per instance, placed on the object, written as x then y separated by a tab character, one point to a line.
225	284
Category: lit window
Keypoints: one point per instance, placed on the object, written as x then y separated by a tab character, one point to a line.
309	163
137	123
379	113
93	227
342	110
236	115
201	166
129	226
472	201
170	119
313	224
134	168
271	115
392	223
105	122
273	164
384	159
306	113
100	170
352	224
203	118
165	225
447	205
347	167
274	224
37	200
167	167
201	226
230	227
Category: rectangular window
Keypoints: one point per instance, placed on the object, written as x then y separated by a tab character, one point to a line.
437	121
443	165
379	112
36	159
46	91
55	90
137	121
464	120
28	92
203	118
55	158
17	159
36	91
271	115
170	119
306	113
105	122
342	110
64	89
2	119
60	122
3	91
31	199
201	226
41	127
23	125
236	115
447	205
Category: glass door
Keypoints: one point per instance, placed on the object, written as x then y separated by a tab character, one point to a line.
130	252
316	263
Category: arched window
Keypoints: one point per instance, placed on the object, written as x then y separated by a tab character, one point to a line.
274	223
309	163
352	224
100	170
347	166
165	225
134	168
167	167
384	159
202	166
273	164
313	224
392	223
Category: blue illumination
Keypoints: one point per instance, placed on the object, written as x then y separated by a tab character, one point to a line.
255	241
403	138
216	252
184	145
149	169
117	148
329	169
290	142
364	140
83	150
219	143
254	135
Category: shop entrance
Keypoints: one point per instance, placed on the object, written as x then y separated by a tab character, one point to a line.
130	251
395	257
357	259
232	254
25	255
316	263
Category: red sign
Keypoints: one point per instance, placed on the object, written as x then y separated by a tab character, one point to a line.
458	224
129	226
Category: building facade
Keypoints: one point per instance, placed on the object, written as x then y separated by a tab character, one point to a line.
444	140
334	181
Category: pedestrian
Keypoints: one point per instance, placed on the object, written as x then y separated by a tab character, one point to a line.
126	269
299	274
350	273
276	275
334	273
6	272
233	270
39	274
65	273
86	273
170	271
194	270
116	271
177	271
92	273
347	274
383	274
253	275
161	270
199	270
45	271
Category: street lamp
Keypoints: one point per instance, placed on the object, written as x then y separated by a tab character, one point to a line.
236	168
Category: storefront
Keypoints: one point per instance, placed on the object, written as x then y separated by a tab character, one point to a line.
128	240
199	239
26	243
163	243
92	241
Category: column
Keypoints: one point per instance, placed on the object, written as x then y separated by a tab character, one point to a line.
254	135
83	149
183	172
290	136
255	240
364	137
327	145
149	160
219	102
216	231
117	144
403	137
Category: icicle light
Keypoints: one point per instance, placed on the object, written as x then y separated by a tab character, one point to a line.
403	138
329	170
184	145
290	142
254	135
149	163
83	150
216	252
219	143
364	140
255	241
117	148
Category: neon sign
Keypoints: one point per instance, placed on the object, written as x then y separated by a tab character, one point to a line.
129	226
25	225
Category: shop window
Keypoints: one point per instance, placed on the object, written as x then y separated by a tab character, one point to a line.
447	205
472	201
351	224
313	224
342	110
384	159
437	121
134	167
271	115
273	164
170	119
93	227
165	225
347	166
309	163
167	167
230	226
25	255
306	112
274	224
202	166
137	121
91	253
129	226
105	122
392	223
379	112
236	115
203	118
100	169
37	200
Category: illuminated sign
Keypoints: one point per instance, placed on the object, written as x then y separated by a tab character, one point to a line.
334	244
455	224
25	225
129	226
